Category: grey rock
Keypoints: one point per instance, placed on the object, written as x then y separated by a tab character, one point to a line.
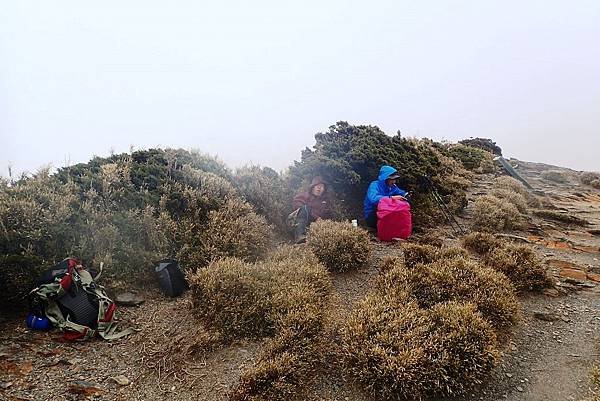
129	299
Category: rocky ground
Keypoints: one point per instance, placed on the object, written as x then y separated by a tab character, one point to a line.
548	357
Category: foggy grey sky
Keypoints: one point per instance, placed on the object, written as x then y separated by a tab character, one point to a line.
254	81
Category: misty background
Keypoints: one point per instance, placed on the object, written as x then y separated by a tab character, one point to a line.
254	81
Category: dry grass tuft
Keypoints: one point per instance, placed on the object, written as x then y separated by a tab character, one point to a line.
240	299
494	214
430	237
511	184
555	176
231	230
339	246
518	262
595	379
590	178
514	198
415	254
286	363
522	266
481	243
293	254
456	278
284	297
397	350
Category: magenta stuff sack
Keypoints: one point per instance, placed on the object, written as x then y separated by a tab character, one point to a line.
393	219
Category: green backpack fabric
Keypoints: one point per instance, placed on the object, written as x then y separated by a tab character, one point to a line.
74	303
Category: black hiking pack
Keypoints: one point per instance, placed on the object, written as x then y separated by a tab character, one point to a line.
170	277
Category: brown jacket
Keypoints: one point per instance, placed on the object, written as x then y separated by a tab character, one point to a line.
319	206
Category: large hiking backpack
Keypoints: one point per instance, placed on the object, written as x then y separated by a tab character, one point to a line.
68	295
393	219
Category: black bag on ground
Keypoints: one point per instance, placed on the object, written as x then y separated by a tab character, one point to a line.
170	277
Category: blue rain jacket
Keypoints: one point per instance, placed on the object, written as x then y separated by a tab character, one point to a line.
379	189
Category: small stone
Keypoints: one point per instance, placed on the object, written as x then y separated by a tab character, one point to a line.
513	347
594	277
84	388
129	299
5	385
520	389
551	292
509	375
574	274
546	316
121	380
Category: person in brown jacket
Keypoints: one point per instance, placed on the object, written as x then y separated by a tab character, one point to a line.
310	206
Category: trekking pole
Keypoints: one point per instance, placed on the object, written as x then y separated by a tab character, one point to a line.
454	224
439	201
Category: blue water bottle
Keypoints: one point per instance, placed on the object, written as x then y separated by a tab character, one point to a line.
38	323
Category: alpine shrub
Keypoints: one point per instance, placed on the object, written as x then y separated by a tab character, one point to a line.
511	184
239	299
518	262
522	266
590	178
555	176
283	297
339	245
398	350
349	158
514	198
481	243
470	157
232	230
483	143
494	214
454	277
266	191
415	254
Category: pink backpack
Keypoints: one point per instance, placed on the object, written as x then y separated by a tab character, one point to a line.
393	219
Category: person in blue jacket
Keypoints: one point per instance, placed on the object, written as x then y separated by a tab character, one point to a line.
384	186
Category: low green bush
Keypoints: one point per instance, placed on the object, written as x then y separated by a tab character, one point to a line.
471	157
484	144
349	158
267	192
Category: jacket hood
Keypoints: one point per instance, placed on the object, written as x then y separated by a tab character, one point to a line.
385	172
316	181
